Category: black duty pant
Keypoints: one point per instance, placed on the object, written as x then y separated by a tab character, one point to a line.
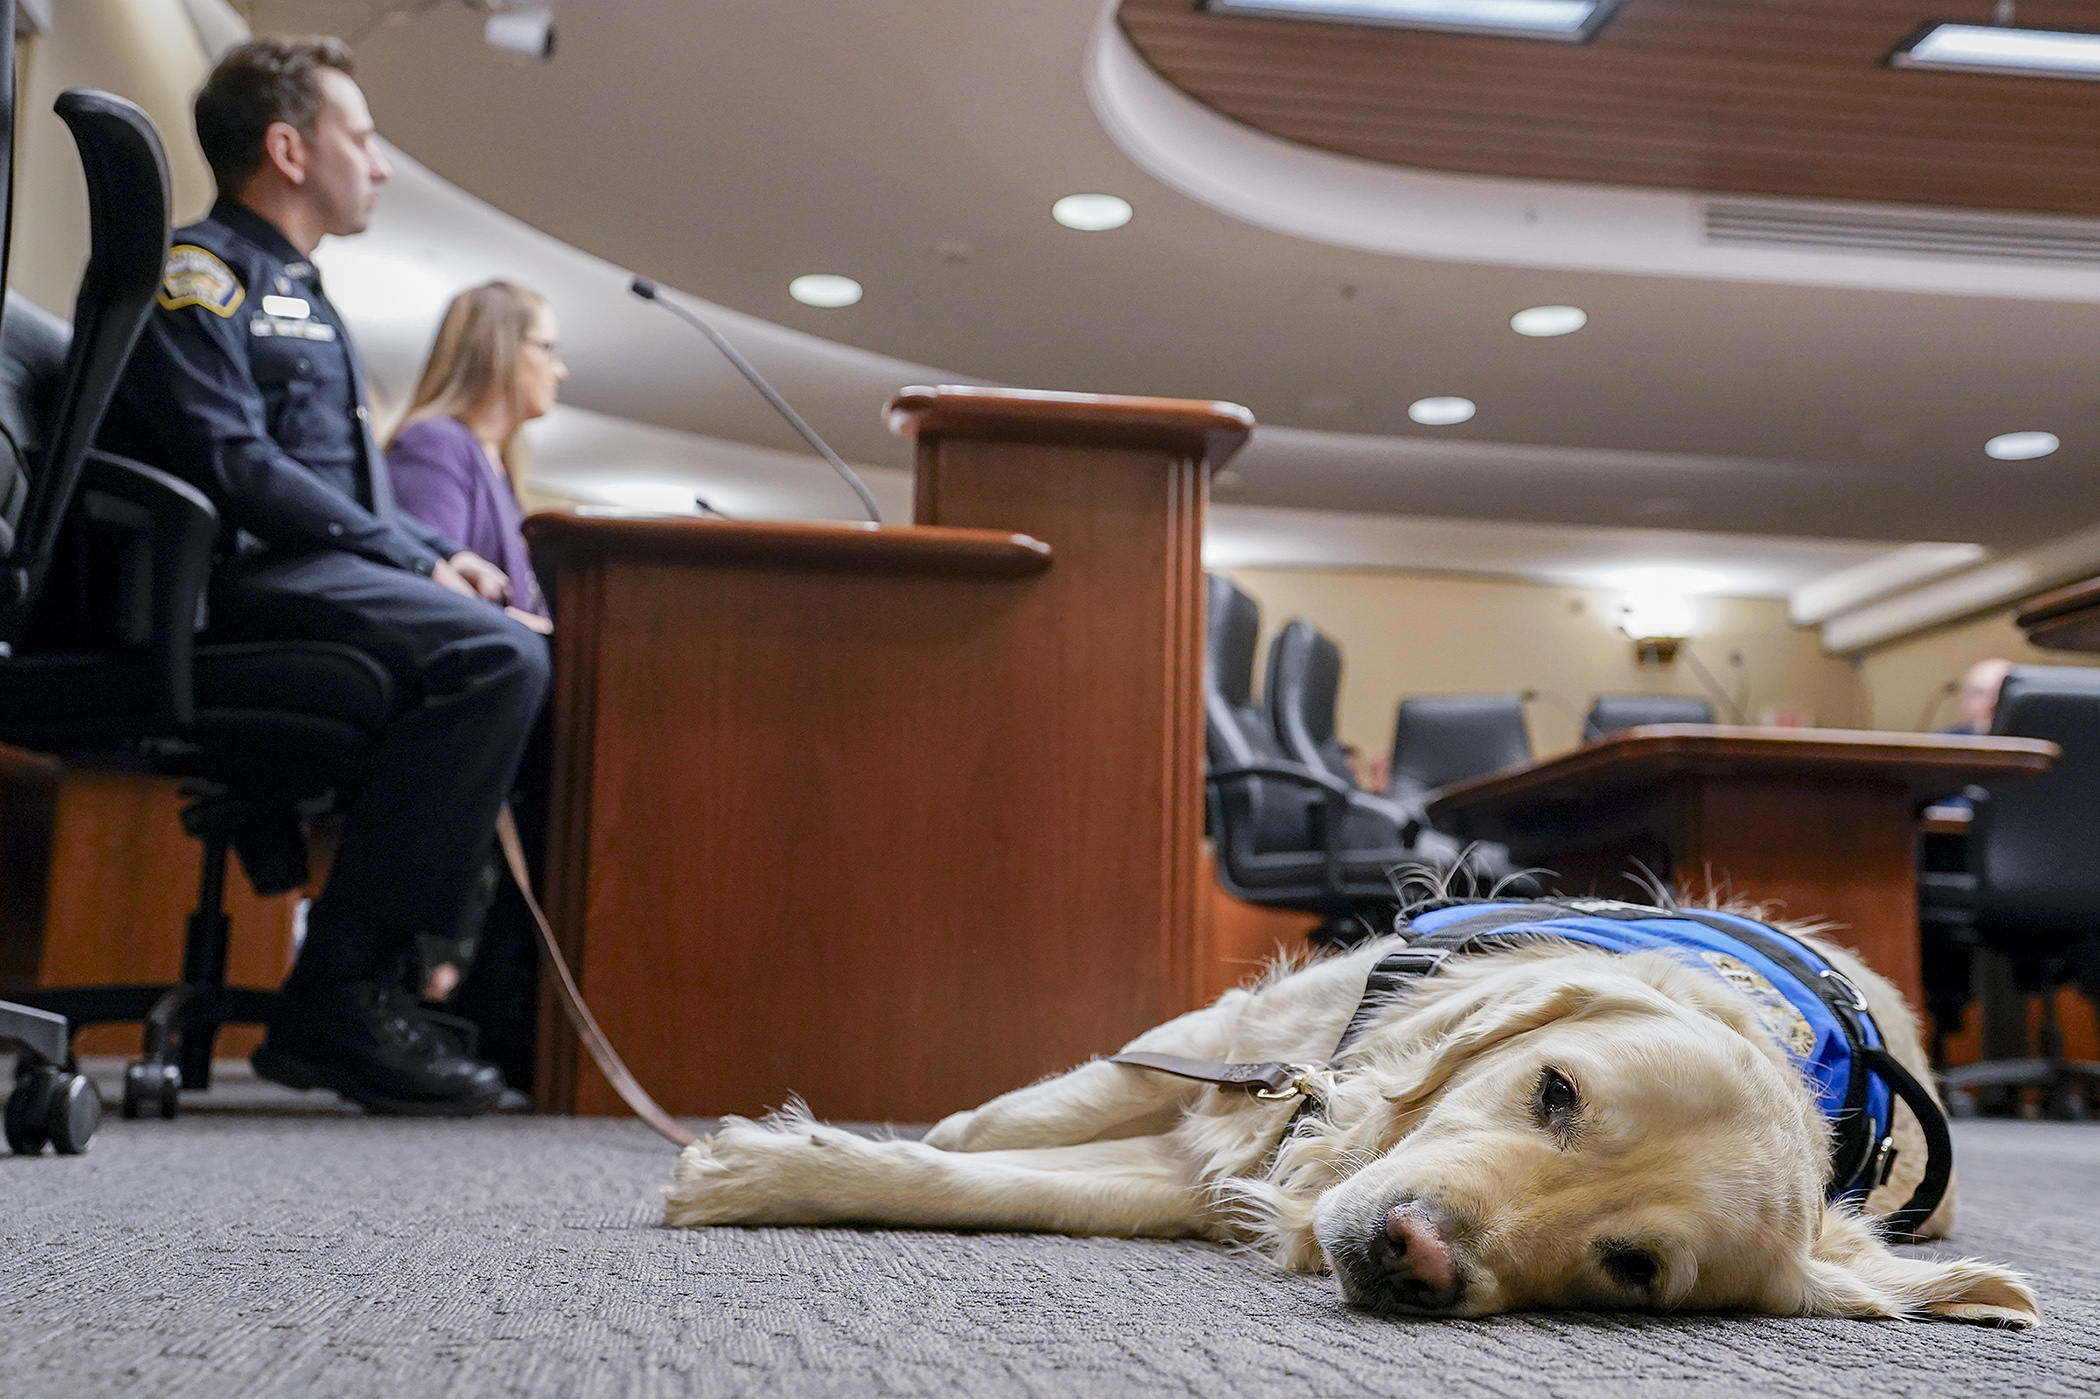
471	681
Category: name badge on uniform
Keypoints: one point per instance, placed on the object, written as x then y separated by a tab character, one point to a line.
287	326
288	307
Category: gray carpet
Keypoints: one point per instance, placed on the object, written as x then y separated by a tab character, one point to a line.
269	1244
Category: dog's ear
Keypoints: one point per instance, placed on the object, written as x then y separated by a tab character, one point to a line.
1851	1273
1478	1027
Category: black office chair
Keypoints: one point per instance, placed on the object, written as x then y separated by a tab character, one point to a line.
1287	835
101	595
1441	739
1610	714
2033	884
1302	693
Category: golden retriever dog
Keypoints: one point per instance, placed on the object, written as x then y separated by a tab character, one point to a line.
1546	1125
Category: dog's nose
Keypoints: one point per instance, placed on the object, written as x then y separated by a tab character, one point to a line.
1413	1252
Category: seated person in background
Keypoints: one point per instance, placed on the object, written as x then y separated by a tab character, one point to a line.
245	384
455	459
1978	696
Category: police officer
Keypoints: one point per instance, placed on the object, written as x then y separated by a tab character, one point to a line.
245	384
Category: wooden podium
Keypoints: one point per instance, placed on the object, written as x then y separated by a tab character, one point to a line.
893	819
1818	823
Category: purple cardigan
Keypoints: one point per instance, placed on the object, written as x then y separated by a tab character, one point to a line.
444	478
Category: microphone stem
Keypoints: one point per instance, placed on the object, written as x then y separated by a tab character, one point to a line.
780	405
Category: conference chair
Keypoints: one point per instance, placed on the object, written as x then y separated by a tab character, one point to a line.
2033	885
101	593
1610	714
1441	739
1302	694
1290	834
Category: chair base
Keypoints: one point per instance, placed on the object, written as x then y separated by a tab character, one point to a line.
2066	1084
50	1105
181	1020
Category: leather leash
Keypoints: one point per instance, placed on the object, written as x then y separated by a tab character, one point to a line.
580	1018
1274	1081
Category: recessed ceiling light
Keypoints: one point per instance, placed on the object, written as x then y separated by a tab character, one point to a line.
1440	412
1091	213
1542	321
2021	446
824	289
2002	49
1570	21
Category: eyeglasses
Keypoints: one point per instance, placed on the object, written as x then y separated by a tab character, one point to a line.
552	347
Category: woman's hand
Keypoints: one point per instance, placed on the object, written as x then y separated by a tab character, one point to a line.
534	620
489	582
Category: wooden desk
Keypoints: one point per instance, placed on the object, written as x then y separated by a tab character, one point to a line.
2067	619
893	819
1818	823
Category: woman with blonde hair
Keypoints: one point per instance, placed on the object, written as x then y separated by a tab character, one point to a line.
456	460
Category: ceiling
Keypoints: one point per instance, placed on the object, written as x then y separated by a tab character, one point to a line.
1776	97
724	148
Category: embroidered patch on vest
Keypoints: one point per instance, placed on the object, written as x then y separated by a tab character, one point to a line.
196	277
1778	1015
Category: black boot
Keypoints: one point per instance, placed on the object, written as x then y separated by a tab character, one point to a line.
368	1042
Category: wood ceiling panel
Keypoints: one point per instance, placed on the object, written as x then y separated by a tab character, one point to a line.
1776	97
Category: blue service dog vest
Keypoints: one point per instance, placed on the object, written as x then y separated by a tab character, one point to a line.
1807	1005
1780	975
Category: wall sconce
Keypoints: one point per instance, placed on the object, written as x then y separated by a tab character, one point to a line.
1656	613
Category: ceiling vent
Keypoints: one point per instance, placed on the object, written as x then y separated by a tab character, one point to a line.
1997	237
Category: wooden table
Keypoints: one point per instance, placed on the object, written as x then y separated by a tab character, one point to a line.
1816	823
2067	619
894	819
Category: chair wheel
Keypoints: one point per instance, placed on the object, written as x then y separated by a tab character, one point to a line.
29	1109
151	1088
73	1114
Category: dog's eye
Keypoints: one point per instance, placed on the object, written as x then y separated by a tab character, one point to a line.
1631	1267
1554	1102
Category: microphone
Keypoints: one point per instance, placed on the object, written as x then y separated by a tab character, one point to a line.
647	291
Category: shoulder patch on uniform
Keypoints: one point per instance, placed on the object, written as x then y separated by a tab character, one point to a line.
196	277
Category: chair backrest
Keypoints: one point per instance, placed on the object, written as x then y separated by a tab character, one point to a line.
1248	815
127	181
1440	739
1612	713
1236	731
2035	846
32	372
1302	690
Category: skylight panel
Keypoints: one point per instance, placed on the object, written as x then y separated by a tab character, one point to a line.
1569	21
2002	49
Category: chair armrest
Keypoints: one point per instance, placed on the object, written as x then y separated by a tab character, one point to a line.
1286	772
178	527
1335	796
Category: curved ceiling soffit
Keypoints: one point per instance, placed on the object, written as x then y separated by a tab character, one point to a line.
1353	203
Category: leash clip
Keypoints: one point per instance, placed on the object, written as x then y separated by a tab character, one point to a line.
1302	1084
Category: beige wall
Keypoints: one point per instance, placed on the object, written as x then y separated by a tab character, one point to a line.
1900	682
146	50
1412	634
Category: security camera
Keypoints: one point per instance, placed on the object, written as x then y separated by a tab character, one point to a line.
529	32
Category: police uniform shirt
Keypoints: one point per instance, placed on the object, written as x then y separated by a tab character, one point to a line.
245	384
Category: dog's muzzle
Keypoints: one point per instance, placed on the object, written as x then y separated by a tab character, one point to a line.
1407	1263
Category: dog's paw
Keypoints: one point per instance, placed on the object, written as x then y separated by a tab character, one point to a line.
757	1173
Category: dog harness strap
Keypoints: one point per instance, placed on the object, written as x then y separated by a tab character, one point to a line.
1903	1224
1275	1080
